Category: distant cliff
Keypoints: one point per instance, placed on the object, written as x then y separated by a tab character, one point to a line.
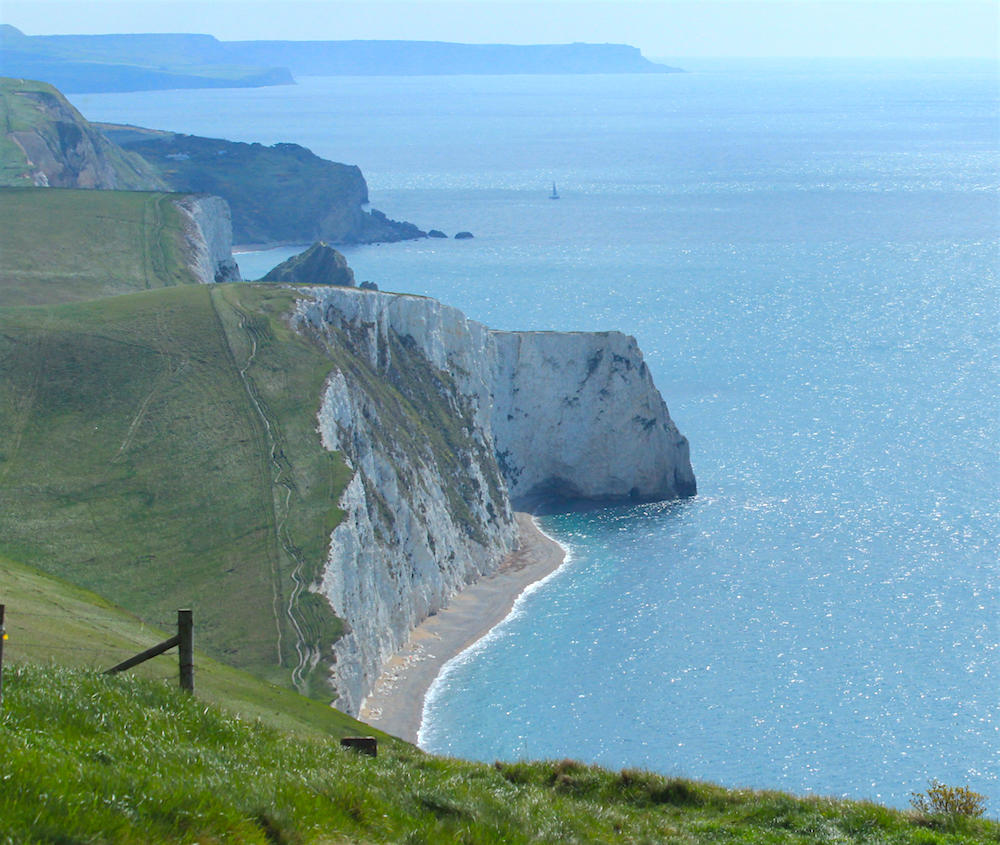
443	422
90	63
278	194
151	61
424	58
50	144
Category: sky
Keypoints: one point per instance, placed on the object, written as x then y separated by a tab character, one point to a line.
660	28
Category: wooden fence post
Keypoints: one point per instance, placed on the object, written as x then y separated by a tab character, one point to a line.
185	649
3	636
360	744
183	639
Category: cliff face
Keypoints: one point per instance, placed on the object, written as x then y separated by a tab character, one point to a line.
484	416
58	147
576	417
208	234
426	511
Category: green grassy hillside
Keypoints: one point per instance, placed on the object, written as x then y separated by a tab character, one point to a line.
90	758
51	622
159	446
159	449
62	245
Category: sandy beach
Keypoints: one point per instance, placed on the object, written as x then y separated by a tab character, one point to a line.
397	701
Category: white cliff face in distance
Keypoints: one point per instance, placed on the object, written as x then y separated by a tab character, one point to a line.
445	423
576	417
209	235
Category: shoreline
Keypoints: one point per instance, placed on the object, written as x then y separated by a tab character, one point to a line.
396	702
243	249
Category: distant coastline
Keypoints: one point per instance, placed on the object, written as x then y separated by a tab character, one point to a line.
157	61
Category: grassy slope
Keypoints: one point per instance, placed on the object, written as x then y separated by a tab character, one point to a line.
134	454
124	760
50	621
61	245
283	375
135	461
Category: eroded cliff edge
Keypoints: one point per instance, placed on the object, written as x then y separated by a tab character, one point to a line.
208	235
445	424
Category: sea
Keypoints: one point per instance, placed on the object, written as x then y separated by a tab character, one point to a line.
807	252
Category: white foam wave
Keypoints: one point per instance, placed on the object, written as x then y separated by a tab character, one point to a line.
437	687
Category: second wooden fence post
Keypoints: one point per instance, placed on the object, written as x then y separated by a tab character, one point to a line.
3	636
185	649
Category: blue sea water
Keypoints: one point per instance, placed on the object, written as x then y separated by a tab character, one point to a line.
808	255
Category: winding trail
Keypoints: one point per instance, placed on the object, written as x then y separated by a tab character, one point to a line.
304	653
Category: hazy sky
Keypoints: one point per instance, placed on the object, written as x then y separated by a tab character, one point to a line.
661	28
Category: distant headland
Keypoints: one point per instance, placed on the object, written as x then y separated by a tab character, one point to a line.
152	61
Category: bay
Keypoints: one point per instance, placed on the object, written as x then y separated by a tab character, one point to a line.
807	254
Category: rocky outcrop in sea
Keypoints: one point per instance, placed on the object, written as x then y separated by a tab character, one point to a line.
321	264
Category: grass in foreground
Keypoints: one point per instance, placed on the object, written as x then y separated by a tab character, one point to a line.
48	619
119	759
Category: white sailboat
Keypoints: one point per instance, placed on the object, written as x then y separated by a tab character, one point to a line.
555	194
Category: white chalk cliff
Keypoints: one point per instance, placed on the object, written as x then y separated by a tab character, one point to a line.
445	423
208	230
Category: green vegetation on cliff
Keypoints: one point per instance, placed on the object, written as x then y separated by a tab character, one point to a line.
279	193
44	140
321	264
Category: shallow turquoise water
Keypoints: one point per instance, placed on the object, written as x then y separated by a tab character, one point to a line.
807	255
